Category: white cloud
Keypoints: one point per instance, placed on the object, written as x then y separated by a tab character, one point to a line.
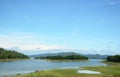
39	46
29	43
24	41
10	40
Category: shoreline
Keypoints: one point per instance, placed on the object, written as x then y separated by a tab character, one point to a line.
12	60
69	72
22	72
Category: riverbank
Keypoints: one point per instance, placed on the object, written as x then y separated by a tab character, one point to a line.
11	60
112	70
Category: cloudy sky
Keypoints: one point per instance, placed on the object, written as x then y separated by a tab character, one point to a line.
39	26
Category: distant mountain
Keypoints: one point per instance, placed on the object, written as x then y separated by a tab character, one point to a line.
96	56
90	56
54	54
10	54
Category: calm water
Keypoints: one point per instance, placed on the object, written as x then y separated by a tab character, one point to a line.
26	66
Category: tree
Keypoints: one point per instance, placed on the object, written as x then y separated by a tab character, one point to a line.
68	57
115	58
11	54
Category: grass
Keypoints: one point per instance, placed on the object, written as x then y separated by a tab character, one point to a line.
112	70
107	71
52	73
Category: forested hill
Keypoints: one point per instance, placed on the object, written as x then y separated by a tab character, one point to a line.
90	56
68	57
10	54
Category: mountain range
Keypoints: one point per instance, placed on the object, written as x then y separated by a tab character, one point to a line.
90	56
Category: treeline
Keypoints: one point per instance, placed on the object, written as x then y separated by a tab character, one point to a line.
115	58
68	57
11	54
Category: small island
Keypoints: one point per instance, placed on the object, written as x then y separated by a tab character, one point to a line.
10	55
61	58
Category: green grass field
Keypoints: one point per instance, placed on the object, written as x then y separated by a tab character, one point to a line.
106	71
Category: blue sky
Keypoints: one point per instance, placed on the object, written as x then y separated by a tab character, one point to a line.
88	26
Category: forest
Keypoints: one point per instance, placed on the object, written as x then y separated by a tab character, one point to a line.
68	57
11	54
115	58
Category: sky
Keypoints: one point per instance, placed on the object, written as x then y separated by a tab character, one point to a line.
47	26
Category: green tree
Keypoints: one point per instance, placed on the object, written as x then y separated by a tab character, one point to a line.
11	54
115	58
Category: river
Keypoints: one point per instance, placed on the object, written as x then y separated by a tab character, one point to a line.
26	66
